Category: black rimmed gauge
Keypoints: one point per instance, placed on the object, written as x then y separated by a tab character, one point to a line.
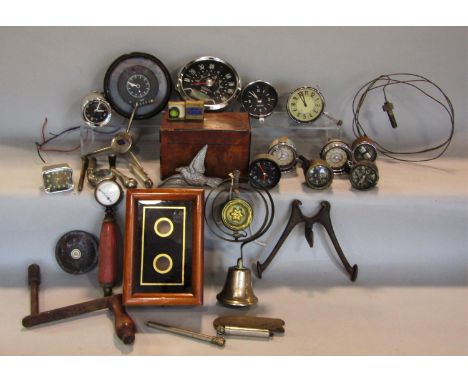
305	104
211	80
108	193
95	110
285	153
364	148
337	154
259	99
137	79
76	252
264	171
364	175
317	173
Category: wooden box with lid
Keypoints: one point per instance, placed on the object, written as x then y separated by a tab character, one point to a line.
227	135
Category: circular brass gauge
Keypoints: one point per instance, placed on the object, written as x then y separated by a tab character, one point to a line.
108	193
211	80
259	99
137	79
237	214
364	175
285	153
95	110
305	104
337	154
317	173
364	149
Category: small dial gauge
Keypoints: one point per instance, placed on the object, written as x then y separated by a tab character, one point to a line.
317	173
337	154
211	80
137	80
237	214
305	104
259	99
138	86
96	111
285	153
108	193
364	149
264	171
364	175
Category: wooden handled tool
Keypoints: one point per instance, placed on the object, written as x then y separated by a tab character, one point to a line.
108	253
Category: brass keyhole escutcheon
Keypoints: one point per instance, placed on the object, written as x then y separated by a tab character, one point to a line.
162	263
163	227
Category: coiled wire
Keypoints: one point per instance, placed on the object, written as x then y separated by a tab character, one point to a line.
412	80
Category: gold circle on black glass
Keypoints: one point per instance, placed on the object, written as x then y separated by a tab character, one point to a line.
163	227
162	263
237	214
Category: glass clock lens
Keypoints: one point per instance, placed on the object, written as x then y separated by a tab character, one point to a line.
96	111
138	86
319	176
284	155
336	157
211	80
363	177
259	98
305	104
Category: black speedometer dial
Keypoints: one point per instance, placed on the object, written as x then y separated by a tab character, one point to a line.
211	80
137	79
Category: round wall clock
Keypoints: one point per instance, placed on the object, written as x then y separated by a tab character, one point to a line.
137	80
211	80
305	104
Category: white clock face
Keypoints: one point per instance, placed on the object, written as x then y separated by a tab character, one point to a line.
108	193
305	104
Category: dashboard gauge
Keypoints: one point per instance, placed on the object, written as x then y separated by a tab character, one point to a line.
317	173
305	104
364	149
337	154
137	79
211	80
259	99
264	171
285	153
364	175
108	193
95	109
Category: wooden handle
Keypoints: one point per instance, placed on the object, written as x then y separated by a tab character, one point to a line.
124	325
108	254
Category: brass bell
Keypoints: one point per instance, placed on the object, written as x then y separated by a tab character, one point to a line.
238	291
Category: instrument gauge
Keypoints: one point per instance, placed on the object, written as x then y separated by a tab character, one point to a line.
364	175
264	171
259	99
305	104
337	154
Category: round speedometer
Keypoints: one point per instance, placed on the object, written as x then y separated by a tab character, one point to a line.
137	79
211	80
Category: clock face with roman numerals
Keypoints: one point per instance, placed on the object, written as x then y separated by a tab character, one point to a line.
305	104
211	80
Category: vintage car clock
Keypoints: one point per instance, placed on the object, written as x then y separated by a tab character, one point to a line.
305	104
259	99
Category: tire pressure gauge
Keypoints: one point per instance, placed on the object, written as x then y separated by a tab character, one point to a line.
259	99
108	193
305	104
285	153
137	79
364	175
337	154
364	149
211	80
264	171
95	110
317	173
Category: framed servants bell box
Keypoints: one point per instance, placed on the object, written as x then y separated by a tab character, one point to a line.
163	259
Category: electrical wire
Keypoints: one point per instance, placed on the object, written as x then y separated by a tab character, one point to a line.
40	146
412	80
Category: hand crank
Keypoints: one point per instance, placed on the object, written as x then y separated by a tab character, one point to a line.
124	325
322	217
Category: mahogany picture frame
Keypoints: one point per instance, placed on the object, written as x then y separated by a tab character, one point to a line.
134	249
